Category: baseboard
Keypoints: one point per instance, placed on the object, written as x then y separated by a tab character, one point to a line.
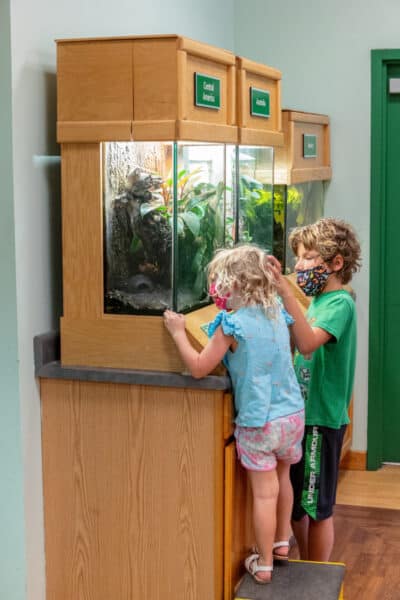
354	461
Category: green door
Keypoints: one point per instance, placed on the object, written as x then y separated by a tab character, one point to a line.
384	370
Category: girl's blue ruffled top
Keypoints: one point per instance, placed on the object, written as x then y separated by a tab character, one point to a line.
263	379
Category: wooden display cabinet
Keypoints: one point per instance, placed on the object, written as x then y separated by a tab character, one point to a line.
143	88
124	89
305	155
143	494
258	104
163	89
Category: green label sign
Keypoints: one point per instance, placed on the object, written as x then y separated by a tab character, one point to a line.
259	103
207	91
309	146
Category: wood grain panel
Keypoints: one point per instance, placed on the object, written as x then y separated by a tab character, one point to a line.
82	231
229	416
258	137
94	81
197	318
206	51
155	79
348	439
206	132
290	165
239	536
258	68
93	131
251	74
304	117
311	174
120	342
132	492
354	461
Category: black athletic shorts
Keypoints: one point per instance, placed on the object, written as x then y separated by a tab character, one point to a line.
314	478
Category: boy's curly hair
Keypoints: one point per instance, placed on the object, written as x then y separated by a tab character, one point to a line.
243	273
330	237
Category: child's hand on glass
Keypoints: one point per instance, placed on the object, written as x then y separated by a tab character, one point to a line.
174	322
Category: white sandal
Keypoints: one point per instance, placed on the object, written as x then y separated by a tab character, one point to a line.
252	567
276	555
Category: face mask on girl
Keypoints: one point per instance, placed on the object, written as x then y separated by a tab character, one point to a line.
312	281
219	301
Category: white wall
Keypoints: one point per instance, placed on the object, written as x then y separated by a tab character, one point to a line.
323	51
34	26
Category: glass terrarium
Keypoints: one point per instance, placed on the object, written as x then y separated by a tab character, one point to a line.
294	205
255	220
166	206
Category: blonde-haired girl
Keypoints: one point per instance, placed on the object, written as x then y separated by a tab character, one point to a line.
250	334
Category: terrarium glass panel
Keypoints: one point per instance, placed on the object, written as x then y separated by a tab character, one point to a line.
255	189
199	220
164	216
295	205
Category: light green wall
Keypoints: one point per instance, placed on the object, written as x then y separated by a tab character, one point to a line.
323	51
12	544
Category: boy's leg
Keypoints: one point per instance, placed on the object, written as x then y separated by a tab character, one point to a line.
320	539
265	488
284	506
300	531
300	518
319	480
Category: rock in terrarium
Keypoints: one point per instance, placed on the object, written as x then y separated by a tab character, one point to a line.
165	210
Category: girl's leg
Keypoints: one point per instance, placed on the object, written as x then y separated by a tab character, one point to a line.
300	530
320	539
284	506
265	489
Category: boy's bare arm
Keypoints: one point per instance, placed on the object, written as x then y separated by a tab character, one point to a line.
306	338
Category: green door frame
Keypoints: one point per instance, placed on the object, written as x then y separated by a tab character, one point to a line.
379	61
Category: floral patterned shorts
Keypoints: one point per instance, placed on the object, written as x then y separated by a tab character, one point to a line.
259	448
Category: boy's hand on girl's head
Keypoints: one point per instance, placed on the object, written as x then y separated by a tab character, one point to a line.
275	267
174	322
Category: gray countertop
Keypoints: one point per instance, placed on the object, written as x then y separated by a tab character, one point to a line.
48	365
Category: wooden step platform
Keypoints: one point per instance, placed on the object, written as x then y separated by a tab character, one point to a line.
297	580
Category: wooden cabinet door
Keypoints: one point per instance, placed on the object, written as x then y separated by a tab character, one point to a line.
238	529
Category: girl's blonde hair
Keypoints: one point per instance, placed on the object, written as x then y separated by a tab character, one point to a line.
330	237
243	273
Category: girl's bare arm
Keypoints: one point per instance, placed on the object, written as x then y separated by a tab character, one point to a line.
201	363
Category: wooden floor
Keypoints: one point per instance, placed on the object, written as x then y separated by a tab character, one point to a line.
380	489
367	533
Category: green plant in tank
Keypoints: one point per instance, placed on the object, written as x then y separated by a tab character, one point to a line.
295	205
200	223
256	211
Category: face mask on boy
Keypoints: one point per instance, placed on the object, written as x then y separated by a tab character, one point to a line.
219	301
312	281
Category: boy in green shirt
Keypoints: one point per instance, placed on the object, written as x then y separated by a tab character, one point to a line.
328	253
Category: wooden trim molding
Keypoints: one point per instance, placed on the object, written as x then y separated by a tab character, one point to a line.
354	461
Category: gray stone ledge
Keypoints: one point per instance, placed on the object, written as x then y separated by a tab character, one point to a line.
48	365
